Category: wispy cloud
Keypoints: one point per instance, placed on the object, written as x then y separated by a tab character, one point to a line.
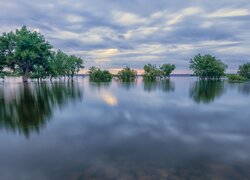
113	34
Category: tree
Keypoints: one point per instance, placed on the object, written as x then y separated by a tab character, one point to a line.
127	74
151	72
244	70
207	67
167	69
98	75
24	50
57	64
73	65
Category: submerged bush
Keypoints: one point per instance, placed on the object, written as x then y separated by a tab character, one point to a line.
98	75
235	78
127	74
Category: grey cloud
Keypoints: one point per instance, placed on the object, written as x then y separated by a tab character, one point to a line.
134	33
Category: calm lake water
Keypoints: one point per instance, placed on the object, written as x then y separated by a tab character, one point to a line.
178	129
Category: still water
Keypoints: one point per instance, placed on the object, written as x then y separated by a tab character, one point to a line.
177	129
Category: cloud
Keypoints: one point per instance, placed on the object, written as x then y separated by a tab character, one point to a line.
113	34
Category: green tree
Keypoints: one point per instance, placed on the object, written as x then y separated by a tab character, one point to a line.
127	74
167	69
73	65
24	50
98	75
57	64
151	72
207	67
244	70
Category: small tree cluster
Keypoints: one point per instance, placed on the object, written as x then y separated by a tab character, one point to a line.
207	67
127	74
98	75
30	54
152	72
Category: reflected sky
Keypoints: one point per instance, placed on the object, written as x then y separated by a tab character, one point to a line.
173	129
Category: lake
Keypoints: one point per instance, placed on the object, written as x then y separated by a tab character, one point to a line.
177	129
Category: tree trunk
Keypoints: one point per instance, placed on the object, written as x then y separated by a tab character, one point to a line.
26	75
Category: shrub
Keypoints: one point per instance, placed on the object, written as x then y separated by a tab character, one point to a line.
98	75
235	78
127	74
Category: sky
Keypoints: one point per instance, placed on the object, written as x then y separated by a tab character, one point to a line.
112	34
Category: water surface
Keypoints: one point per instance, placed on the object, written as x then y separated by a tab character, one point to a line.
177	129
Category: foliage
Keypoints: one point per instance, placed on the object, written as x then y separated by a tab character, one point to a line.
235	78
57	64
98	75
167	69
29	53
207	67
24	50
151	72
244	70
127	74
73	65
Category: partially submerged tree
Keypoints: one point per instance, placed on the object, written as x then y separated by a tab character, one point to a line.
127	74
244	70
167	69
151	72
98	75
73	66
24	50
207	67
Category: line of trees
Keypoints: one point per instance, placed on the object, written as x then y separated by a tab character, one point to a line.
28	53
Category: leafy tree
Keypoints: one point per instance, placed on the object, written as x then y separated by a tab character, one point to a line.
127	74
57	64
151	72
98	75
244	70
24	50
207	67
73	65
167	69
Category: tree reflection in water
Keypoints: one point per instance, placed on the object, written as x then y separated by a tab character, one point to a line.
206	91
31	106
165	85
244	88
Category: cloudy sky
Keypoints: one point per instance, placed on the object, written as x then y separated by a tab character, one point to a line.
116	33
